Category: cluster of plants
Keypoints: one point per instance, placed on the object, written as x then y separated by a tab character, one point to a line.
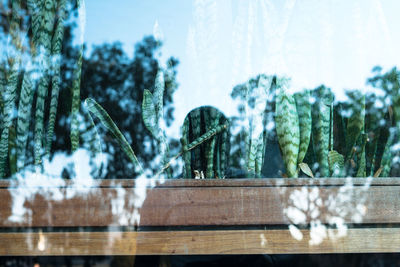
317	135
307	133
45	75
30	66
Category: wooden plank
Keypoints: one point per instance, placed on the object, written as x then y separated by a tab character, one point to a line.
200	242
151	183
189	206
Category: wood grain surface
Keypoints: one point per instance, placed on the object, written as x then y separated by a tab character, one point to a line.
150	183
365	240
201	202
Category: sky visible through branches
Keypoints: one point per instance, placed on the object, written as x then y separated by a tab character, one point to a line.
223	43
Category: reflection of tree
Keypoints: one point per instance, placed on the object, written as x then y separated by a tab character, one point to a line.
111	77
358	133
117	83
246	96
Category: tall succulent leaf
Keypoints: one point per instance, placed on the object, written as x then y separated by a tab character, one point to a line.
35	9
76	101
12	151
387	156
211	150
303	106
44	49
24	115
109	124
3	83
159	97
355	124
92	136
9	95
288	131
336	163
153	116
8	110
149	113
361	161
321	113
195	122
256	125
186	153
56	64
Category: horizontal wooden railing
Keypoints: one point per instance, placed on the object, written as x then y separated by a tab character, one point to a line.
241	216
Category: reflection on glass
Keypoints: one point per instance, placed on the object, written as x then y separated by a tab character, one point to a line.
245	107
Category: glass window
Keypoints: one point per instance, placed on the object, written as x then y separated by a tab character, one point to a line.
183	133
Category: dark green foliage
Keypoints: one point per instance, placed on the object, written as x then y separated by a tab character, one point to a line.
43	48
153	117
303	106
256	112
288	130
321	124
205	143
56	67
118	83
109	124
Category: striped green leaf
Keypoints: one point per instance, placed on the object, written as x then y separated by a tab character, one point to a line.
386	163
256	126
109	124
149	114
24	116
187	173
10	93
355	124
336	163
9	108
76	101
303	106
288	131
159	96
43	45
56	64
198	141
321	113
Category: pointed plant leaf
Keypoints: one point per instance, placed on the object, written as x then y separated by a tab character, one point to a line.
361	172
306	169
387	156
378	172
109	124
56	68
303	106
43	44
355	123
287	129
336	163
198	141
186	148
76	101
149	114
159	96
321	113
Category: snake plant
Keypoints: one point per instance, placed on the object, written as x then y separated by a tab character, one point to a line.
34	64
210	158
153	116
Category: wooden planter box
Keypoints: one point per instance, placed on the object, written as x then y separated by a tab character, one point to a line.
238	216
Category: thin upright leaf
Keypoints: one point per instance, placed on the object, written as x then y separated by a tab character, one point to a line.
288	131
109	124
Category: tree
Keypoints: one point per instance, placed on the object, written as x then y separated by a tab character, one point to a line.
117	83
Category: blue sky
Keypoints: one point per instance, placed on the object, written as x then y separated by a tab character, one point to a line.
221	43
